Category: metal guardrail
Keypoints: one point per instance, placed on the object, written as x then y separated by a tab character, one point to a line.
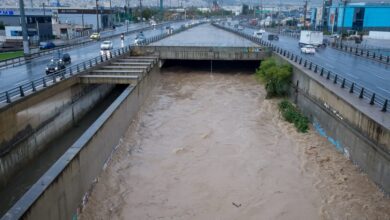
43	82
362	52
336	78
22	60
35	85
366	53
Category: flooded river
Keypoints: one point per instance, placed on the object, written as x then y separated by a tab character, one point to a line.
209	146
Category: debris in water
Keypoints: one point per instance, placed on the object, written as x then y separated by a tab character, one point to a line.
236	205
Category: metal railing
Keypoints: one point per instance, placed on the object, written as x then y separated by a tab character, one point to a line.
367	53
30	87
22	60
362	52
331	76
43	82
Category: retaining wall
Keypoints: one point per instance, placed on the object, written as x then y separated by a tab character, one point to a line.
58	193
27	126
357	129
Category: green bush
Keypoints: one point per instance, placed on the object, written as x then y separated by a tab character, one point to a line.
276	76
291	114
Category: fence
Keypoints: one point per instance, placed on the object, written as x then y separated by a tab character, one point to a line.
349	85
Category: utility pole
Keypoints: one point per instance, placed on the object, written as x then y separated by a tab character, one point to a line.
342	23
97	16
279	21
43	7
26	48
111	13
304	15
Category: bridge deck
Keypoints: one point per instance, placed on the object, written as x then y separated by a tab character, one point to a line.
205	36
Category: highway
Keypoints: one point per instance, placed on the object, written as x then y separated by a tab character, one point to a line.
367	73
15	76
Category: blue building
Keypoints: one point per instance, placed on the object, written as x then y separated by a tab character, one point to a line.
360	16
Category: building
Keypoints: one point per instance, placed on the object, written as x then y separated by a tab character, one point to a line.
360	16
84	17
38	22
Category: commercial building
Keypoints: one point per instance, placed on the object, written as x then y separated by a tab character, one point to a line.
38	22
360	16
84	17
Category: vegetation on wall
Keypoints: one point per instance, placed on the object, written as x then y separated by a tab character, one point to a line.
275	76
291	114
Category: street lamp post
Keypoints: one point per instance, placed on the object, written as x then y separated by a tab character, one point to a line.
342	23
26	48
97	16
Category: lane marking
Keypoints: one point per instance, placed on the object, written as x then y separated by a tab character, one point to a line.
331	66
22	82
355	77
385	90
380	77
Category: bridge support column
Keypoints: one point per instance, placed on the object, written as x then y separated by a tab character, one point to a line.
160	63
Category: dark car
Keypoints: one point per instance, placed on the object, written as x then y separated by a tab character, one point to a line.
55	65
46	45
64	57
273	37
140	39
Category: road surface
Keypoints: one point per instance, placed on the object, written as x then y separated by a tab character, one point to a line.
15	76
368	73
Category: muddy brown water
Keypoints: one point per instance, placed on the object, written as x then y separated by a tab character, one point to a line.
209	146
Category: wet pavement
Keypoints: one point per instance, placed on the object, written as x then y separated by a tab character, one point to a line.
210	146
15	76
369	73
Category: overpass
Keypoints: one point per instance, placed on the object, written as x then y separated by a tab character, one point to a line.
206	53
357	127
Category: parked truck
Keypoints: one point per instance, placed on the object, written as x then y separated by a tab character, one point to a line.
315	38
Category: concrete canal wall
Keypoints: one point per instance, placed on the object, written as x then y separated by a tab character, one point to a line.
28	125
357	129
59	193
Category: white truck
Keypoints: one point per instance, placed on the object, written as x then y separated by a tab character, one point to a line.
315	38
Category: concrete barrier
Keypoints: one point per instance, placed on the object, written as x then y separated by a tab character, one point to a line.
204	53
361	134
58	193
26	128
29	123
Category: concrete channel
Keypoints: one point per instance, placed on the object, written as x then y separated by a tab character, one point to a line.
86	147
68	181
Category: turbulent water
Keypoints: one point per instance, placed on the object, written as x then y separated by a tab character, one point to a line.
209	146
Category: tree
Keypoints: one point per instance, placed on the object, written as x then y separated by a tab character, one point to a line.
276	76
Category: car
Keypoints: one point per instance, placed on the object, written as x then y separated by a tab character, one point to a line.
55	65
308	49
65	58
139	39
95	36
273	37
335	36
46	45
106	45
259	33
152	23
240	28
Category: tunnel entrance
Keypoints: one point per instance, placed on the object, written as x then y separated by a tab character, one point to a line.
209	66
